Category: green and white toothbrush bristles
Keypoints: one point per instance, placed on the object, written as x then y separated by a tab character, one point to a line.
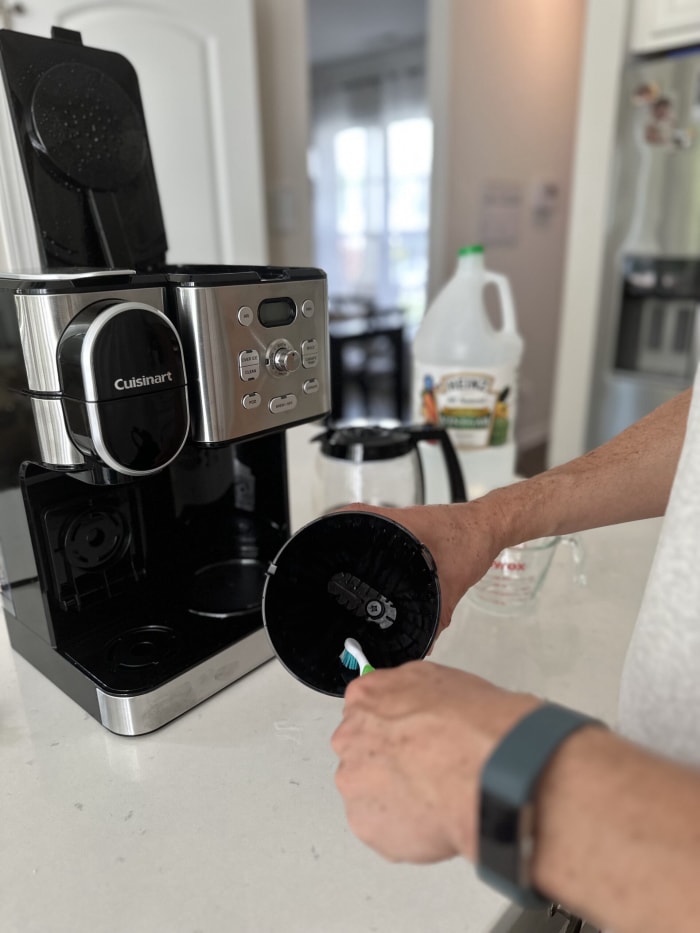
354	658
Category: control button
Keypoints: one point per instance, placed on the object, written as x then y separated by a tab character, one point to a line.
311	386
249	365
252	400
245	316
282	403
307	309
309	353
286	360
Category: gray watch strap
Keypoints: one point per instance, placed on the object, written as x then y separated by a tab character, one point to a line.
508	781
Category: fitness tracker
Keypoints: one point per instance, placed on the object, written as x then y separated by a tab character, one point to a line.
506	810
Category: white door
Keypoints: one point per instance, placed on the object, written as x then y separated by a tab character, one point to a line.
197	69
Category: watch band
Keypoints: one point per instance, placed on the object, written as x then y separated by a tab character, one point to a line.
506	810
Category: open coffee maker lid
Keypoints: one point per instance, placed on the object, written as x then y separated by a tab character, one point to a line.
355	575
365	442
83	152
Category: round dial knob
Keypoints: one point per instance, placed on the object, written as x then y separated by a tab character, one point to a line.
286	360
123	386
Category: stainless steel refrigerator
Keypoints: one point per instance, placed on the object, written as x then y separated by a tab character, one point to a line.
648	342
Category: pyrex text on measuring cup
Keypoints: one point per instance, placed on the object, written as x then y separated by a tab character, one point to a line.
513	581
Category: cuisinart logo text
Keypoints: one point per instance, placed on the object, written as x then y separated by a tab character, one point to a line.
137	382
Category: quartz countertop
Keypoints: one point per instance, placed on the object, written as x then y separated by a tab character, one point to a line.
228	819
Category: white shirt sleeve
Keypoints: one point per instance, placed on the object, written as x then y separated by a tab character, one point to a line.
660	688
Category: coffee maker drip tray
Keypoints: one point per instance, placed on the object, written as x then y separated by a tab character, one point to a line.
228	589
155	649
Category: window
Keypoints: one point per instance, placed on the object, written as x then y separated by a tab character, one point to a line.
371	160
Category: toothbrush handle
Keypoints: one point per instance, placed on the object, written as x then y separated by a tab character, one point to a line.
367	669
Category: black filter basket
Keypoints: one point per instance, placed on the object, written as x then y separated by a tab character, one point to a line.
350	574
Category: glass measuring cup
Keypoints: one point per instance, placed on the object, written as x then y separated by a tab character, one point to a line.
513	581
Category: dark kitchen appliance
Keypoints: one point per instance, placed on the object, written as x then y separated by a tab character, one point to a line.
648	333
143	408
355	575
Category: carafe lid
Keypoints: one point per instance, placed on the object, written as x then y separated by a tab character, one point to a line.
365	442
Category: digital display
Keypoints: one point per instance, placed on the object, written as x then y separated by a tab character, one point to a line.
274	312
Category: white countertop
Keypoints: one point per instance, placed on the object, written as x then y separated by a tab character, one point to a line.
228	818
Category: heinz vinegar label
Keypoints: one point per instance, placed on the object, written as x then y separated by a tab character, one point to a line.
477	406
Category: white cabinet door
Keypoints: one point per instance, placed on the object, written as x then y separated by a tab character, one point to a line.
197	69
664	24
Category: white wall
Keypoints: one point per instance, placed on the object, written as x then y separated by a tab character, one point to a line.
504	89
605	46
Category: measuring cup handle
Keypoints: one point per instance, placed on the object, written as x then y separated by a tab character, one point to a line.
579	557
427	432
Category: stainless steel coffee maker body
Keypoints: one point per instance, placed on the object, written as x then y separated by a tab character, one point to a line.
144	485
143	406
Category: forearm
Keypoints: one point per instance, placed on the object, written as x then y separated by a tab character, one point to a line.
628	478
617	830
618	836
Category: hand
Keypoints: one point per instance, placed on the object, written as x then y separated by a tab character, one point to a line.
463	539
411	745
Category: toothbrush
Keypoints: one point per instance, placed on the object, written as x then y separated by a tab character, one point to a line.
353	657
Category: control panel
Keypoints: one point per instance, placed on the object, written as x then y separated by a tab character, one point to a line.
257	356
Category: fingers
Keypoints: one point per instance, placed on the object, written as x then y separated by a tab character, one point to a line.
372	703
391	692
382	806
411	744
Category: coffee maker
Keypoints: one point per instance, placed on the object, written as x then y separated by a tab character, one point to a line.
143	409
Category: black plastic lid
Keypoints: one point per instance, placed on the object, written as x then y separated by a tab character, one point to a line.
350	575
81	136
75	280
191	276
366	442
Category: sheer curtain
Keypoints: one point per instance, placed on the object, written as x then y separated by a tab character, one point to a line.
370	163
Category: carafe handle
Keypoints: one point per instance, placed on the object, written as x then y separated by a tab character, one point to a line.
428	432
506	299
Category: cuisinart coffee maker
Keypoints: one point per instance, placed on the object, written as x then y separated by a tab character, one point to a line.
143	487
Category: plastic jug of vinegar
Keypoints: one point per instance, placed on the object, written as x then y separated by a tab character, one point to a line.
465	374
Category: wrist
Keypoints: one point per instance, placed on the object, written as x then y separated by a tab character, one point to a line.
511	515
509	820
483	525
502	711
564	783
531	508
